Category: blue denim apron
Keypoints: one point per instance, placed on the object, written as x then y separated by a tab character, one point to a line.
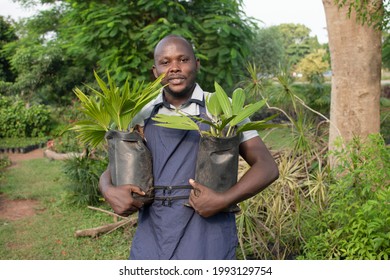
167	229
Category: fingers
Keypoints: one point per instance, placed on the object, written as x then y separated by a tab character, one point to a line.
193	183
195	194
133	189
137	204
127	209
137	190
197	188
123	199
204	200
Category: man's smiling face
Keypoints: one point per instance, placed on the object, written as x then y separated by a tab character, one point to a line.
175	57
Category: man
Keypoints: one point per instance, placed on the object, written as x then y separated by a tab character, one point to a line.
167	229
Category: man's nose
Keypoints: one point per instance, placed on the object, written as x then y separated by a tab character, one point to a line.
175	67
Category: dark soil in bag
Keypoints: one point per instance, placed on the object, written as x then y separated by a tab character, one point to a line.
217	164
130	162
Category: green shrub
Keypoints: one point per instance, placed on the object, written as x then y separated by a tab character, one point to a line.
4	162
18	119
356	222
65	141
83	178
316	95
5	88
269	224
385	118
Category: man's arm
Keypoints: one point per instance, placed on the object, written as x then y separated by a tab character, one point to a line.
262	173
119	197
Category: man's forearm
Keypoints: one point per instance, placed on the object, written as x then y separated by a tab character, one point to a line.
262	173
256	179
105	181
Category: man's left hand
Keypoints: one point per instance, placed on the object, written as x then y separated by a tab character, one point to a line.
205	201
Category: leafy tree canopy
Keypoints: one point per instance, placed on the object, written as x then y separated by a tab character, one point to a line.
119	36
297	41
313	65
267	50
281	45
7	34
374	13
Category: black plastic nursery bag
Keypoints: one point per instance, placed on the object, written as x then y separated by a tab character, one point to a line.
130	162
217	164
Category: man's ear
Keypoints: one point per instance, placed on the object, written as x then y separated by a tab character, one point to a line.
154	71
198	64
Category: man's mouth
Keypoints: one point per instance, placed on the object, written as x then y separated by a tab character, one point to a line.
175	80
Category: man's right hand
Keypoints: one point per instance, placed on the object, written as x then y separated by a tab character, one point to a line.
120	198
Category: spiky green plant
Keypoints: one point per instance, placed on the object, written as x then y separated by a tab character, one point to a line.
226	114
268	225
112	107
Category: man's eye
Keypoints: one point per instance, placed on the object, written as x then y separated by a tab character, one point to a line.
184	60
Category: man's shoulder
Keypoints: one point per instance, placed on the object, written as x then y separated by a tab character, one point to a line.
145	112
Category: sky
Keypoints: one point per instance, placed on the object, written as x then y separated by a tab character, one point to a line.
274	12
270	12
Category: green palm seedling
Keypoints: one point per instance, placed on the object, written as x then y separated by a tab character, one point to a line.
225	115
111	108
109	113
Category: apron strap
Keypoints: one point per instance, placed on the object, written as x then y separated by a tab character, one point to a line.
167	190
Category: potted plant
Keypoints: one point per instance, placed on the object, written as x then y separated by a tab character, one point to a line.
109	113
218	155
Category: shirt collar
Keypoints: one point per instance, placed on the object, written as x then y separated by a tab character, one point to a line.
196	97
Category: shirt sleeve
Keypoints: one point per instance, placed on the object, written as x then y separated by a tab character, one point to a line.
246	135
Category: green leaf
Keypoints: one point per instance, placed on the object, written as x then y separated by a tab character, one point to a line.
259	125
176	122
247	112
224	100
238	100
213	105
93	109
233	54
149	93
101	83
89	132
225	122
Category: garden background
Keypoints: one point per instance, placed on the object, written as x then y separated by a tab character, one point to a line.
331	200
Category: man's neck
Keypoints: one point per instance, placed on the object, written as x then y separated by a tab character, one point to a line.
178	99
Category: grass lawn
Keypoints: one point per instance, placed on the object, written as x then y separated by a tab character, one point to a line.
277	139
49	235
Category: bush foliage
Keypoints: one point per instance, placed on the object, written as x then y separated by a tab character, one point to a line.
356	222
18	119
83	178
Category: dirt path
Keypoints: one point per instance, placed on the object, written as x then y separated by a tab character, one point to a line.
18	157
11	210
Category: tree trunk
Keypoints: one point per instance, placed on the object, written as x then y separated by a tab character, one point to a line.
355	51
61	156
